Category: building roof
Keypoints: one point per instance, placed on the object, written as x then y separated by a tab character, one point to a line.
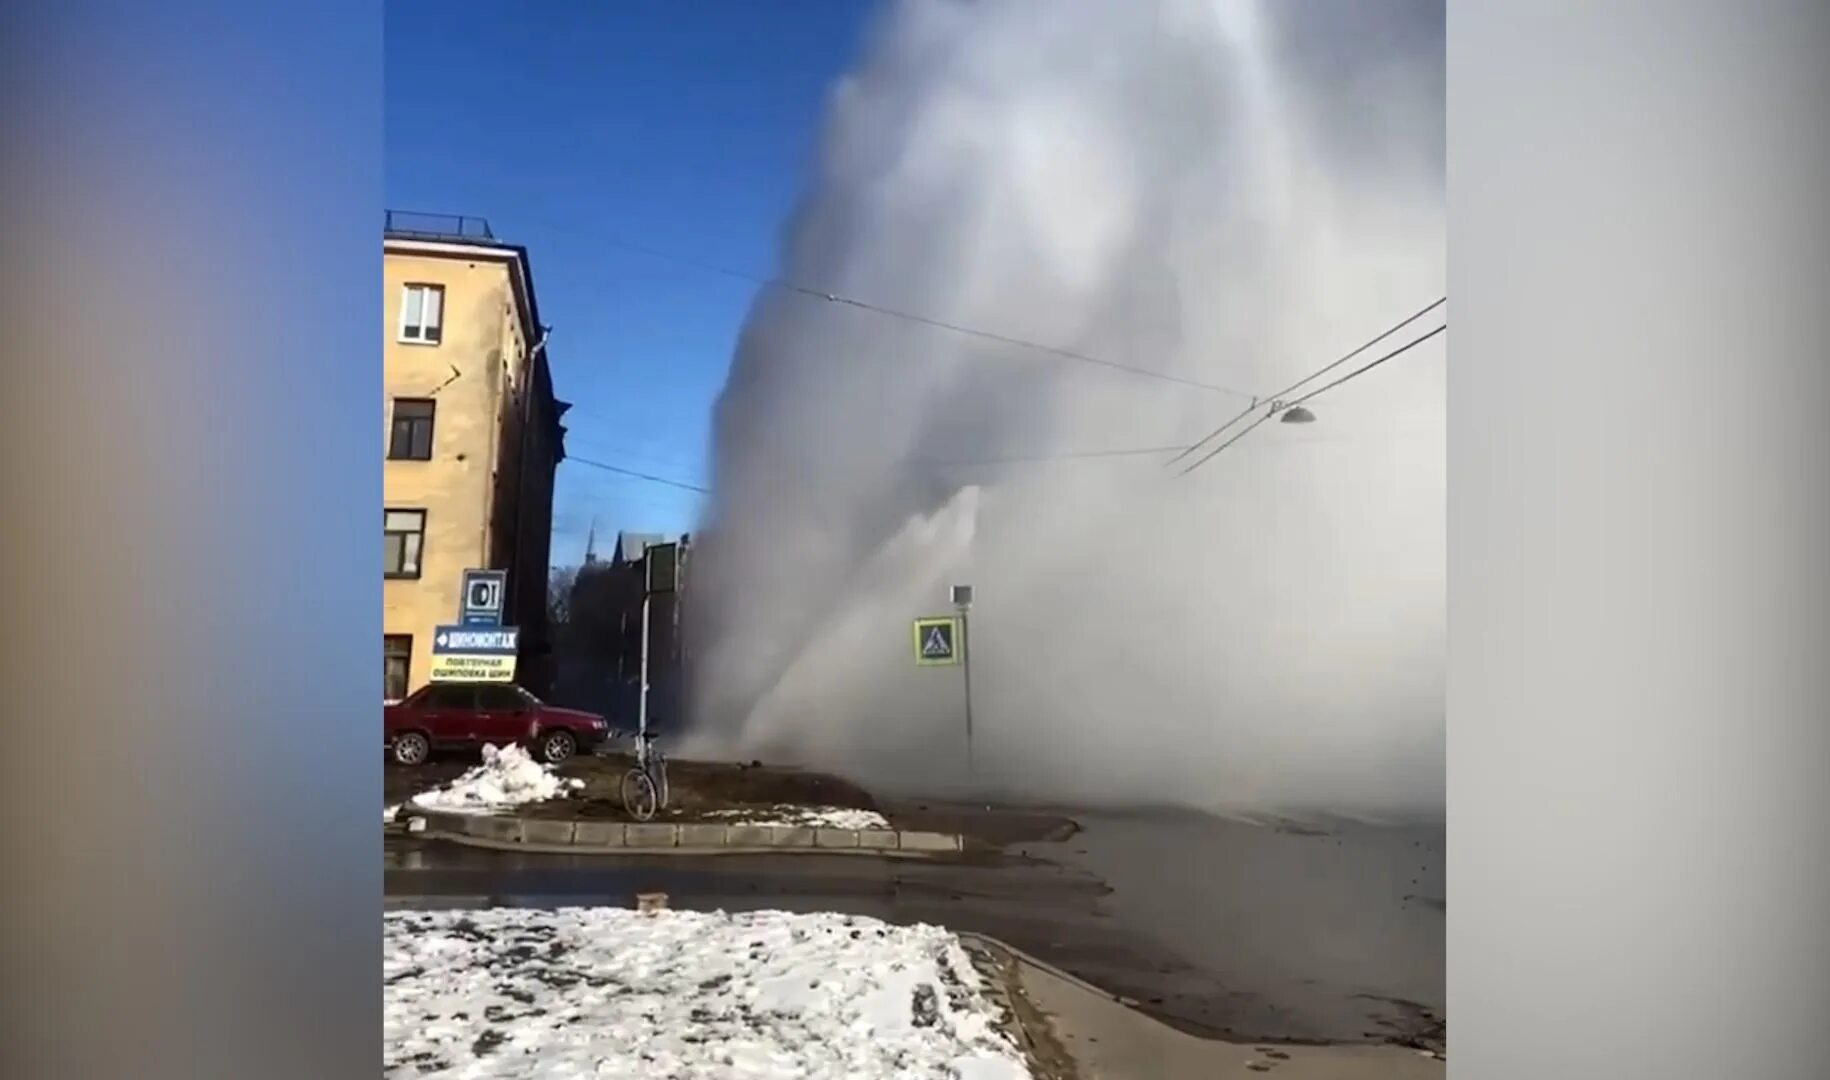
466	236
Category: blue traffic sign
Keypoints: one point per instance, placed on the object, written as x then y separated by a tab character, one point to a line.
476	640
481	602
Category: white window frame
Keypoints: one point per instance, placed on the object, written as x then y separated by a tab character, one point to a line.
406	673
425	287
419	554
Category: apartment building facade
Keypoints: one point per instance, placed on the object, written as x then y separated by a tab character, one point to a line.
471	439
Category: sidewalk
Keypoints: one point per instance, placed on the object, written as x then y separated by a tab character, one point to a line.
1109	1041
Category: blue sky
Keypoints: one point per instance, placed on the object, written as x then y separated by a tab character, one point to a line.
573	126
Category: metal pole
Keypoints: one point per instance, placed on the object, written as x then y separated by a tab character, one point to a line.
965	654
641	708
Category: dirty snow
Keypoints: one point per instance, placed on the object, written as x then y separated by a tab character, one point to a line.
606	992
508	778
784	816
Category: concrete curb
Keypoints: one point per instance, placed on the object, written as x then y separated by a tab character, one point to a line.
988	942
688	838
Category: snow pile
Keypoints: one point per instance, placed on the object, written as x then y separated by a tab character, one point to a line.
507	778
787	816
606	992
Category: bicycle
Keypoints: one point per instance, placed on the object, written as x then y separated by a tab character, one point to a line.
644	787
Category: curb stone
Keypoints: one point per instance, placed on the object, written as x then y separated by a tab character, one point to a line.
985	941
600	834
1022	1021
537	831
698	838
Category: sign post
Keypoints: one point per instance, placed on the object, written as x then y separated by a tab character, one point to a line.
941	641
641	692
661	564
962	602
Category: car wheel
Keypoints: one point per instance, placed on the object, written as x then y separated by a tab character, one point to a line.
411	748
557	746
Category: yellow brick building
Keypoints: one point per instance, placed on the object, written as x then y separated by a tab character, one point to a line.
471	437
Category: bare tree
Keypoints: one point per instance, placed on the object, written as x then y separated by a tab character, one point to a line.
560	583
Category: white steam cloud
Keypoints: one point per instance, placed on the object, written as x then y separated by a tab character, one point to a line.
1228	192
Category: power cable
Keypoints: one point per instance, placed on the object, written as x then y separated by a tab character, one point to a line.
1004	339
637	475
1400	350
1298	384
1361	371
1249	428
643	455
1019	342
1072	456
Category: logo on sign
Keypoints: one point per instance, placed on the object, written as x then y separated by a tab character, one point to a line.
481	602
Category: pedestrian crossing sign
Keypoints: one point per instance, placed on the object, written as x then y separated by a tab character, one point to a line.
937	641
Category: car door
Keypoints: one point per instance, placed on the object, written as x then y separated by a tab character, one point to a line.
503	714
451	715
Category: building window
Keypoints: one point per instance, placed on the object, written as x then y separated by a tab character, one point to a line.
422	313
396	665
411	437
403	533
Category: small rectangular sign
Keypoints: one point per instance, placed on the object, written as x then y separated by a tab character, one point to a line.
472	667
663	565
937	642
482	599
492	640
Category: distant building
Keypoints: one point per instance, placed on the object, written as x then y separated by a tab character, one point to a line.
631	548
472	437
601	669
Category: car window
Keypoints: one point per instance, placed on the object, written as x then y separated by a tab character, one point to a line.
451	697
499	698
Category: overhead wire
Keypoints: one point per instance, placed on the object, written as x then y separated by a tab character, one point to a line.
1399	351
1361	371
637	475
1139	451
958	328
1300	383
1181	452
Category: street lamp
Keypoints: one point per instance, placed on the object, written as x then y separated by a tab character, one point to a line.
1292	414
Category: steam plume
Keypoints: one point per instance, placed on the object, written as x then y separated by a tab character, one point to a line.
1232	193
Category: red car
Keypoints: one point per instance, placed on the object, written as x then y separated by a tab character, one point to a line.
468	715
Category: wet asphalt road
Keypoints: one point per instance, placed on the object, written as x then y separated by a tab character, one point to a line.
1328	933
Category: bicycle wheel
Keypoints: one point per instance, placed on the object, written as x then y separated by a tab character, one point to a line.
639	795
659	771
